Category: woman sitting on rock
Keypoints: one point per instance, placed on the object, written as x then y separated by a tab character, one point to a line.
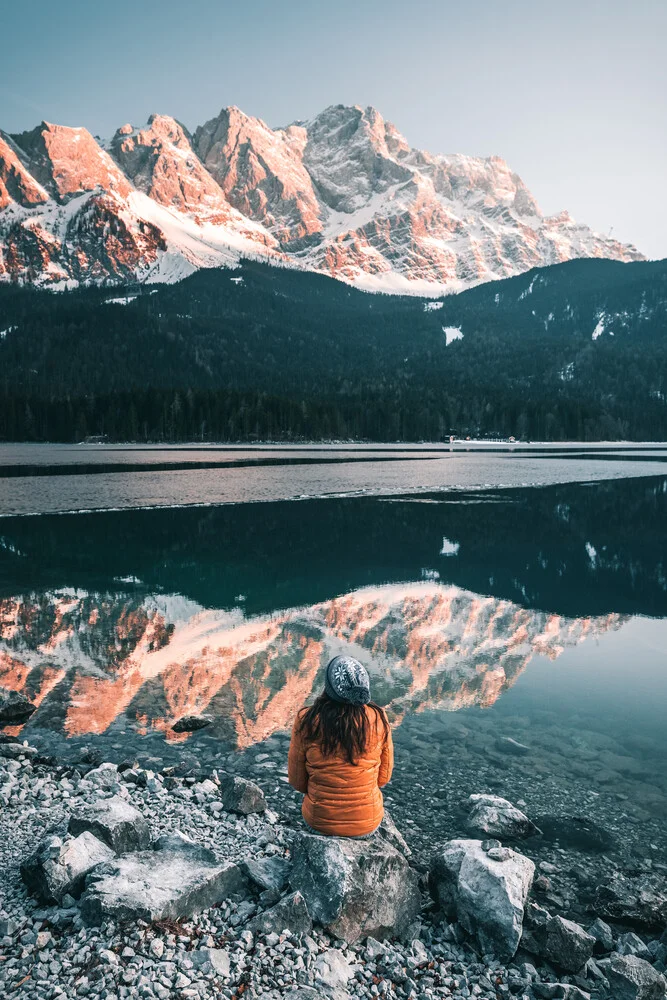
341	754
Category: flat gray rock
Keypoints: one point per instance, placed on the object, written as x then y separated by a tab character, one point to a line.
332	969
321	993
157	885
182	844
16	750
497	817
59	866
355	887
211	960
114	821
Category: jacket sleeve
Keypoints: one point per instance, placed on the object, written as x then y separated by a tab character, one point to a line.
386	760
296	761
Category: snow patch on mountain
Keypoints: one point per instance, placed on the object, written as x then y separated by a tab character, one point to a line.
452	333
122	300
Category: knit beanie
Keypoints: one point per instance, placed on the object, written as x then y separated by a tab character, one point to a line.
346	680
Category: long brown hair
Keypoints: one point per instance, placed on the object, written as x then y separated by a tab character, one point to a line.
339	725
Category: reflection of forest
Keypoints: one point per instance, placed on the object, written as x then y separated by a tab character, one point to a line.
88	659
574	549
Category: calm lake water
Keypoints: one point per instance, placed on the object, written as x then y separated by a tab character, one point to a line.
489	592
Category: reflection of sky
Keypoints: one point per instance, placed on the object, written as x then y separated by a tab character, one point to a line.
620	674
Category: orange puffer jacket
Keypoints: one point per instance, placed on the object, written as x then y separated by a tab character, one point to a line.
342	799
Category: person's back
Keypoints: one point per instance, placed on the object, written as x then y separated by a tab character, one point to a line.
341	754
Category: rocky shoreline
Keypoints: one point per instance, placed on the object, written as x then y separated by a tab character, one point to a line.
182	880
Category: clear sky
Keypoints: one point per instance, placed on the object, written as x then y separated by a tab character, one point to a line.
572	94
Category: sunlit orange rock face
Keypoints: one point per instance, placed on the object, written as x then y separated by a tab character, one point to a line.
16	183
93	661
162	164
262	173
68	161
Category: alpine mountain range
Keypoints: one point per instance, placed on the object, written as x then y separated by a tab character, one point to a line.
214	285
343	194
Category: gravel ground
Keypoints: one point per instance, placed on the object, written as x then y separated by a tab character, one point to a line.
48	952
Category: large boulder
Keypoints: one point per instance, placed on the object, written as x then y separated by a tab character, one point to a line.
355	887
562	942
485	890
567	944
59	866
157	885
15	708
632	978
242	796
497	817
640	901
114	821
290	913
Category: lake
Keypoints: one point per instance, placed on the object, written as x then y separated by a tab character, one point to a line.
491	592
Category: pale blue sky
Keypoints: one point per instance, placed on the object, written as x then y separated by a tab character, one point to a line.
573	95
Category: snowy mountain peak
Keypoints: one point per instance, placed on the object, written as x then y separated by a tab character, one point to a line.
342	193
160	161
262	173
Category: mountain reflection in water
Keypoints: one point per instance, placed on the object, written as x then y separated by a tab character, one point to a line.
87	659
132	619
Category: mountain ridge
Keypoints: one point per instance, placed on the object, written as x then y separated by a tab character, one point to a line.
342	193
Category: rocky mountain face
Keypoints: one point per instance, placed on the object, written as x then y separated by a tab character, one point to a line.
89	659
342	193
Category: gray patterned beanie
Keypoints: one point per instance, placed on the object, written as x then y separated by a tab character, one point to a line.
346	680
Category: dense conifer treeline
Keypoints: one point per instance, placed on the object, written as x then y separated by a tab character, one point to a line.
288	355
